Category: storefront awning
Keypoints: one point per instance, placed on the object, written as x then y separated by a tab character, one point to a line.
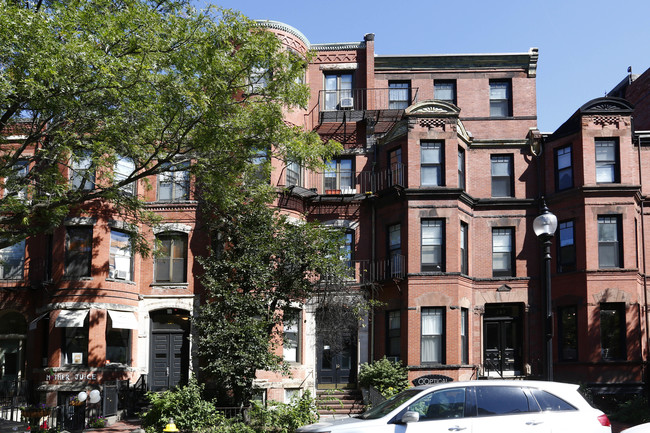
123	319
34	323
71	319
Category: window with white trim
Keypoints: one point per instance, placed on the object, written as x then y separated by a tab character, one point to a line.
120	260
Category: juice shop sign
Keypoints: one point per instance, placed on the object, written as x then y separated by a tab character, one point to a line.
71	376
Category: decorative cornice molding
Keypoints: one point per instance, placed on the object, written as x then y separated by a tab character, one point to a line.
277	25
339	46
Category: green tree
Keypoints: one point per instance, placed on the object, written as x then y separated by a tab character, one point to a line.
84	85
263	263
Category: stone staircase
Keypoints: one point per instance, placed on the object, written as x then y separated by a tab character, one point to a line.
339	403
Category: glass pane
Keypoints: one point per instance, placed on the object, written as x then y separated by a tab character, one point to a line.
431	153
430	176
605	173
501	400
162	269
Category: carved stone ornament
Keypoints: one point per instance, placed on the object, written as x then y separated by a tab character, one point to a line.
432	108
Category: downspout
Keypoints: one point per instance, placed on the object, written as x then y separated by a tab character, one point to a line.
373	257
643	252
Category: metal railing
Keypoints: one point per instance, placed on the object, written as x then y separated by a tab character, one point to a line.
365	272
367	99
349	182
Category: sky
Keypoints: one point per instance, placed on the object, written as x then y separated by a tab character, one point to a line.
585	46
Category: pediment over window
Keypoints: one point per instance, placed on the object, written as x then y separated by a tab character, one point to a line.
432	108
504	288
607	105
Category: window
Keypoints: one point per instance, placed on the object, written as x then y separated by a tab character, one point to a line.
431	164
393	331
124	167
432	344
502	178
174	182
606	160
395	249
502	252
15	182
445	90
563	169
12	261
338	91
120	260
346	253
443	404
501	400
171	258
461	168
291	322
612	331
464	336
568	333
118	343
431	245
566	247
464	249
293	174
500	98
82	172
75	344
396	170
339	177
259	79
610	251
399	95
78	252
550	402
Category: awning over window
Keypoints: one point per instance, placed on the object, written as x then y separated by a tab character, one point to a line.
123	319
34	323
71	319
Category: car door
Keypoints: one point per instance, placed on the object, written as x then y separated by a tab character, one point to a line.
441	411
508	409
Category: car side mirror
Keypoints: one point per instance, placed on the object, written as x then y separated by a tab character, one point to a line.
410	416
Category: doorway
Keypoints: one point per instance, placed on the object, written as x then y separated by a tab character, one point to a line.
169	360
502	340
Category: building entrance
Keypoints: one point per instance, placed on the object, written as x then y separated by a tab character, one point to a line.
502	340
169	361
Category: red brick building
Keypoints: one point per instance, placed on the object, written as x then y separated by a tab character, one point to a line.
437	188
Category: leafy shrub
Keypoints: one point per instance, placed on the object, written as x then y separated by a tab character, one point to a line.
387	377
97	422
284	417
634	411
185	406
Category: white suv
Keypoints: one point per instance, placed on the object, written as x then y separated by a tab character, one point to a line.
513	406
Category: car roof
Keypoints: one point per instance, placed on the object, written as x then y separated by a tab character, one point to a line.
506	382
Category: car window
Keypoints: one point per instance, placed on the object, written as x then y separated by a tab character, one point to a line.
385	407
501	400
443	404
548	401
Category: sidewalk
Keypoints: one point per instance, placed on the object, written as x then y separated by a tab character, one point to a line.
123	426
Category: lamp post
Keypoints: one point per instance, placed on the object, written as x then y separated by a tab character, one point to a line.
544	226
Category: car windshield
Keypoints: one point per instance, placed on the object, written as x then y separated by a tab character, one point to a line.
386	407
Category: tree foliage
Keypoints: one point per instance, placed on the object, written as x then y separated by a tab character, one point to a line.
264	263
155	82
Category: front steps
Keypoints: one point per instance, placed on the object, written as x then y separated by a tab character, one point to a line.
339	403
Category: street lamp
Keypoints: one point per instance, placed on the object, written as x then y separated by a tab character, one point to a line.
544	226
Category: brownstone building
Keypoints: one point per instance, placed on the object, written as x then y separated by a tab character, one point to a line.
437	188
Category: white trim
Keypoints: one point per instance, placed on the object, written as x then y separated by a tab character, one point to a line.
172	227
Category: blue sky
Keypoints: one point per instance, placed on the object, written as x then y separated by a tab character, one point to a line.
585	46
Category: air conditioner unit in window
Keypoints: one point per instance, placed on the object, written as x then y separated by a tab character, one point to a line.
347	102
120	274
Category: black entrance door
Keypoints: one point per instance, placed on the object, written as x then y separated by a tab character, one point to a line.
167	355
169	360
335	365
502	341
